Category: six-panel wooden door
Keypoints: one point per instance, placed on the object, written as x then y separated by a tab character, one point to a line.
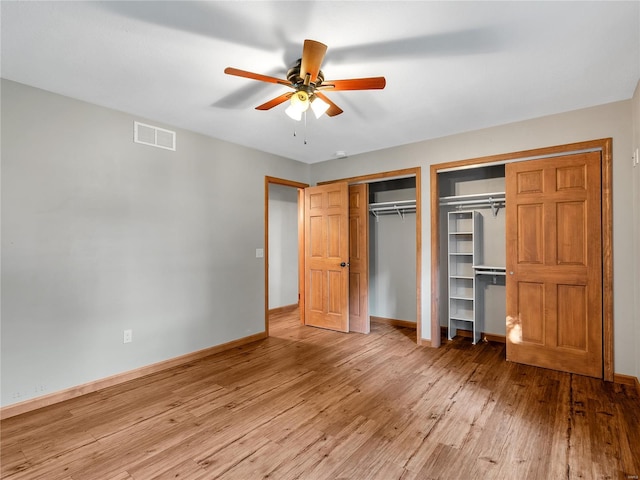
359	258
326	224
554	263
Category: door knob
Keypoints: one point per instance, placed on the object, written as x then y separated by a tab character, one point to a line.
343	264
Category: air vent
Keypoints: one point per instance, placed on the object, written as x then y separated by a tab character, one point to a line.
154	136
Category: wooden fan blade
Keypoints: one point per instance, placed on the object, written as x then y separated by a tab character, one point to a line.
255	76
274	102
312	56
371	83
333	109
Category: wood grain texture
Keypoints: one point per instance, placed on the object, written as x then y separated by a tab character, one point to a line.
359	258
607	260
395	322
554	258
284	309
436	339
486	337
309	403
627	380
326	245
418	172
90	387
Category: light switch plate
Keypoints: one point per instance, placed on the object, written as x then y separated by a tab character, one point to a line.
259	253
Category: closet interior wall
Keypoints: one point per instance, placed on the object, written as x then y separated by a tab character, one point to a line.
392	257
490	289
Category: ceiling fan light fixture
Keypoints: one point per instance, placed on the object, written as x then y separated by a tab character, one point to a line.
299	104
318	106
294	113
300	100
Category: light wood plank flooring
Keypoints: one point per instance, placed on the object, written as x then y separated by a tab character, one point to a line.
308	403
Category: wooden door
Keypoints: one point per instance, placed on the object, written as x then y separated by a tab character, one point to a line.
359	258
326	223
554	263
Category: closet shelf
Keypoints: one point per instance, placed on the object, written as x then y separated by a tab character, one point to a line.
495	200
490	270
400	207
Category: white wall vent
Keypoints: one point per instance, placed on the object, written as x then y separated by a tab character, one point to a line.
154	136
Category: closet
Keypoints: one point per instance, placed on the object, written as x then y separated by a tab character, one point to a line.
531	268
392	251
472	237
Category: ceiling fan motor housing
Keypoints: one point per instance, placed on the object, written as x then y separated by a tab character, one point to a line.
293	75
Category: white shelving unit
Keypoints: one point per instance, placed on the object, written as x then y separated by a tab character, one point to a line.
464	233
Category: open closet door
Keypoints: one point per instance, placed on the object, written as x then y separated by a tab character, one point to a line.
554	263
326	232
359	258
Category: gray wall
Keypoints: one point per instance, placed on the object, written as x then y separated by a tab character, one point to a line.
392	261
610	120
283	245
100	234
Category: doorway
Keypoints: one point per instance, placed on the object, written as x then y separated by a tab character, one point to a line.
282	246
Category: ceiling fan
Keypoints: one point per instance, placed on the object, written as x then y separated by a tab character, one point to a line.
308	84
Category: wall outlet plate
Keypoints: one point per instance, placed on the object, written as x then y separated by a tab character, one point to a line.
128	336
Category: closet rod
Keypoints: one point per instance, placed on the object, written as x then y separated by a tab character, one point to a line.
474	196
395	207
493	200
400	207
399	203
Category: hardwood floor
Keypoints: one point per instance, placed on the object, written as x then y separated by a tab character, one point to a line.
308	403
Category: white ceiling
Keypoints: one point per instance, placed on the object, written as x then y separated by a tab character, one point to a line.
450	66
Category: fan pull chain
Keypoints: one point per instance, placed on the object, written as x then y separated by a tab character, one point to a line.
305	127
295	134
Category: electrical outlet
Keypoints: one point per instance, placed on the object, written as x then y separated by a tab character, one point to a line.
128	336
